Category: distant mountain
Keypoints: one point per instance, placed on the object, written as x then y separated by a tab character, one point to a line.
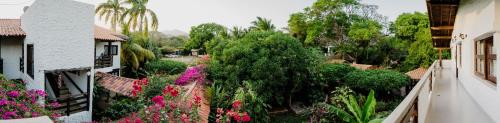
175	32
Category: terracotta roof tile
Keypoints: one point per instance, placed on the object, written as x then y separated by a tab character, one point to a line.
101	33
12	27
417	73
120	85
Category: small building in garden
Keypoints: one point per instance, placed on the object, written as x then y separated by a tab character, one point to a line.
416	74
194	52
364	66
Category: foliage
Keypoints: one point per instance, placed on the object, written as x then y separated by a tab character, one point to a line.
382	81
139	17
357	113
112	10
133	53
271	60
165	67
165	107
407	25
203	33
233	114
192	74
119	108
328	77
421	52
16	102
262	24
157	84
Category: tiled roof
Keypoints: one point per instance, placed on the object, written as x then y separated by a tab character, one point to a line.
107	35
417	73
12	27
120	85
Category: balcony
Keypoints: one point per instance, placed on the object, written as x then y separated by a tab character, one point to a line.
104	61
439	97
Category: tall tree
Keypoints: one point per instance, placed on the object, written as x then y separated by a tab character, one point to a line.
139	17
133	55
112	11
203	33
262	24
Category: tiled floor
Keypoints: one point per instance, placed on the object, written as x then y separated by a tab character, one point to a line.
451	103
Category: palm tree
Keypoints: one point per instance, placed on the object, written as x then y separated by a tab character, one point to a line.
138	16
238	32
262	24
133	54
356	113
112	11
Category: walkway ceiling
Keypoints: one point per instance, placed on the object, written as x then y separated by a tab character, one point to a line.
442	15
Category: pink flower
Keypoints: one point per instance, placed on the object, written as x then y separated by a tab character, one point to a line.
174	93
159	101
185	118
3	102
13	94
246	117
144	81
41	93
197	99
236	104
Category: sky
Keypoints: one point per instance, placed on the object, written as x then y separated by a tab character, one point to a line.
183	14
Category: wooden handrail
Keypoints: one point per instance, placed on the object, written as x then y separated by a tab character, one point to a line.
73	82
405	106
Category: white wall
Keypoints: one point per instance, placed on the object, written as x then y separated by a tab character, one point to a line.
116	58
62	34
11	53
478	19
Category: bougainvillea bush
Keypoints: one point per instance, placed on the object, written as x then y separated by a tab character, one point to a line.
171	106
16	102
192	74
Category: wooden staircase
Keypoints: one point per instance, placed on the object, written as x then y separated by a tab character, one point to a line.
69	104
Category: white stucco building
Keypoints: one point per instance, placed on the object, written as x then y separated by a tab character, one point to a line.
55	46
464	89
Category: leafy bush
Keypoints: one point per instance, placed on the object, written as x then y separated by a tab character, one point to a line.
120	108
16	102
327	77
382	81
166	67
276	63
157	84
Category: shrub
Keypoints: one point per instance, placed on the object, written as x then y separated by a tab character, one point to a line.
192	74
327	77
120	108
276	63
165	67
16	102
157	84
383	81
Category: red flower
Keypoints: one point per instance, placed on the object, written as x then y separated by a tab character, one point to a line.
197	99
144	81
237	117
185	118
246	117
172	105
134	93
159	101
174	93
220	111
236	104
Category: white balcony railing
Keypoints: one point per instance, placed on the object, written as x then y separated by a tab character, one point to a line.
415	107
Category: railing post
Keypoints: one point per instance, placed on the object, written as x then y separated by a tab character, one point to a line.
68	107
88	92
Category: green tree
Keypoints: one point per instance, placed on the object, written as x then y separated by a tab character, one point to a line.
357	112
421	52
112	11
133	55
407	25
276	64
139	17
298	25
364	32
262	24
203	33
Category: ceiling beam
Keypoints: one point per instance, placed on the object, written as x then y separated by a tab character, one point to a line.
441	37
442	28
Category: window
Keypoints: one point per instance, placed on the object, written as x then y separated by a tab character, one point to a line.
114	50
485	59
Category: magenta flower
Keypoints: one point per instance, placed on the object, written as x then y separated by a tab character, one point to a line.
13	94
3	102
159	100
190	75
